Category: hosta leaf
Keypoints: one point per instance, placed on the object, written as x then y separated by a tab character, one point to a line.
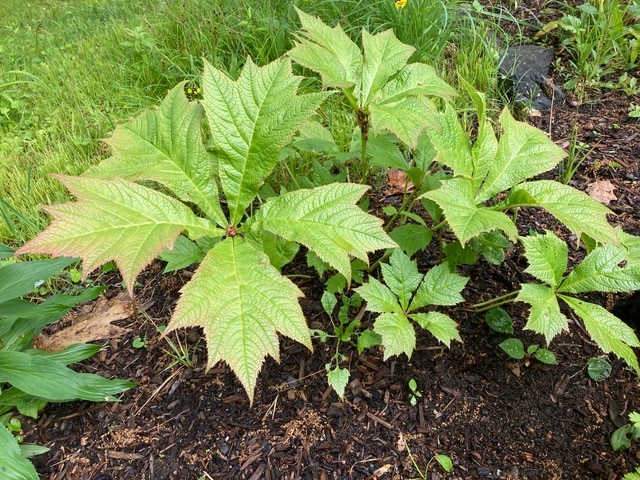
401	276
165	146
465	218
406	118
379	297
451	142
545	316
18	279
547	256
398	335
384	56
251	120
599	272
577	210
439	287
13	464
608	331
523	152
338	379
439	325
327	51
242	303
49	379
327	221
116	220
415	79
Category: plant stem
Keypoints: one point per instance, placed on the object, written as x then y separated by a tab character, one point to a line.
364	163
496	302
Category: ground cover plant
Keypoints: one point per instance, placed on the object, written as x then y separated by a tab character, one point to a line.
196	181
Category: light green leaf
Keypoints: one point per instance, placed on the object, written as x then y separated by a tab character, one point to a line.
451	142
398	335
411	237
116	220
545	316
577	210
242	303
599	272
165	146
608	331
327	51
439	325
406	118
401	276
368	338
415	79
379	297
184	253
547	256
327	221
439	287
13	464
48	379
465	218
384	56
251	120
338	378
632	244
523	152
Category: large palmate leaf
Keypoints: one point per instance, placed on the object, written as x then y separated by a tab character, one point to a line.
384	56
327	221
415	79
545	316
547	256
327	51
600	272
242	302
251	119
466	219
523	152
165	146
379	297
401	276
577	210
609	332
116	220
13	464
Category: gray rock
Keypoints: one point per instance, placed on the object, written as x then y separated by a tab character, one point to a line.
526	68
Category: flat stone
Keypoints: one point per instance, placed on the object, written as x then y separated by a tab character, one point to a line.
526	67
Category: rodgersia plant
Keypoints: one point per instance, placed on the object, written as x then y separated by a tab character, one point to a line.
237	295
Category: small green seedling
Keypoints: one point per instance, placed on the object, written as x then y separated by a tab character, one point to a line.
598	369
632	475
499	320
622	437
415	394
515	349
139	342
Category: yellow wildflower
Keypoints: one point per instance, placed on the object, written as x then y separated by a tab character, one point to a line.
401	3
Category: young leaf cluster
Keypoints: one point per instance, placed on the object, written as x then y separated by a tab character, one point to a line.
405	291
600	271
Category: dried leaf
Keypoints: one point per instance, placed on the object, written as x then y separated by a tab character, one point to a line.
397	181
602	191
94	324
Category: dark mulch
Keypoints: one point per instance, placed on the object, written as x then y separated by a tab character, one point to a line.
495	417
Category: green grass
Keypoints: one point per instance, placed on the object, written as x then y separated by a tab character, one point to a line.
70	71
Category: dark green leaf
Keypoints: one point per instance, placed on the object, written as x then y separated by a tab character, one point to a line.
546	356
499	320
621	438
513	347
21	278
13	465
598	369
